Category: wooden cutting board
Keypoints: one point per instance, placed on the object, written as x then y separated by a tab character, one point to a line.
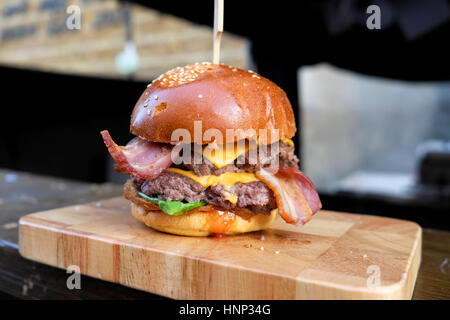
334	256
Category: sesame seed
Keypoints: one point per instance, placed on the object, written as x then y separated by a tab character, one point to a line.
262	248
156	97
277	252
182	75
200	96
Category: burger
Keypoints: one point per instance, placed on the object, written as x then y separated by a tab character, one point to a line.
213	154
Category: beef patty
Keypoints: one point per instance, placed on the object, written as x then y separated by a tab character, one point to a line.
285	154
255	196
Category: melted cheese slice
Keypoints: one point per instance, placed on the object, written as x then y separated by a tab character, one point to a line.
288	141
227	179
221	156
231	197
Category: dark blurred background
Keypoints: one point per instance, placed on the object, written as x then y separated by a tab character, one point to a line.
372	105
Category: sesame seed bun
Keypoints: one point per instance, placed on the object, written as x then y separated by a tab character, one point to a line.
199	222
220	96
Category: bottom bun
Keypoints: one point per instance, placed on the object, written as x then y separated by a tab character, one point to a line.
202	222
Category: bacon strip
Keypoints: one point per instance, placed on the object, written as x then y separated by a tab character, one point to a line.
297	199
140	158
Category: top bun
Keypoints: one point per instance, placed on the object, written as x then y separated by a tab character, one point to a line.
220	96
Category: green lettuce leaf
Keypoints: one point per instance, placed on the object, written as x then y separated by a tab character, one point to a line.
173	208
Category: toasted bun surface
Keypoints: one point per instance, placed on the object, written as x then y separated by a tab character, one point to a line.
220	96
198	223
202	221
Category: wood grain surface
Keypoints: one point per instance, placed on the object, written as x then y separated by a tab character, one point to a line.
332	257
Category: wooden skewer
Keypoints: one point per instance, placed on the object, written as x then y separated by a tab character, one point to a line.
218	29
